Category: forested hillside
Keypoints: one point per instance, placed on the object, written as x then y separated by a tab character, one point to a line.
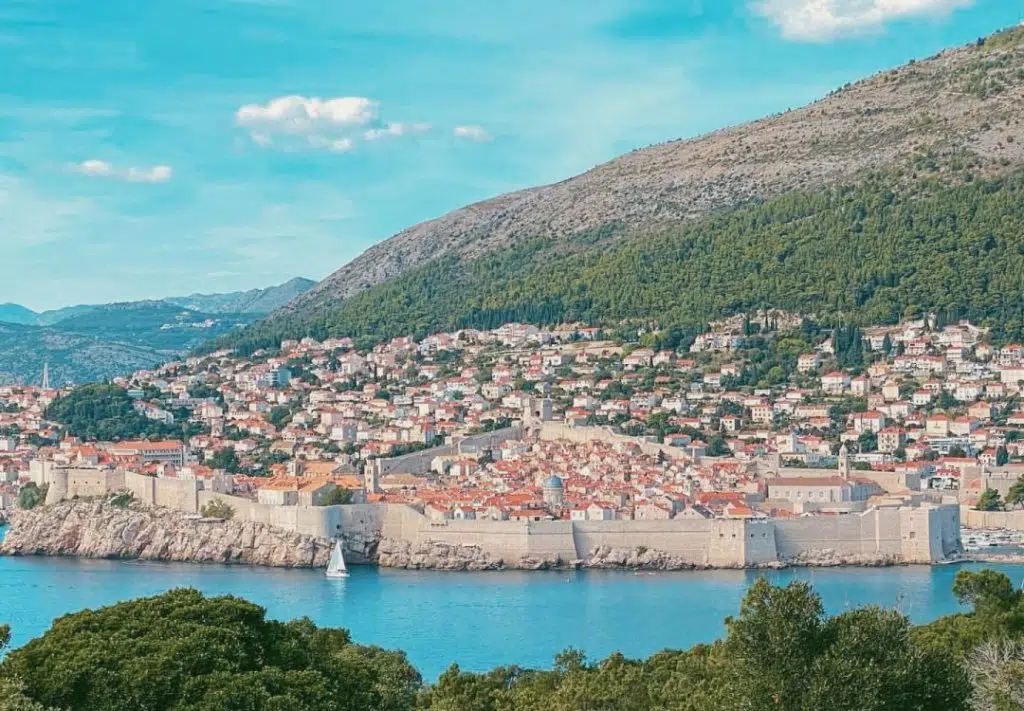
183	652
894	244
948	120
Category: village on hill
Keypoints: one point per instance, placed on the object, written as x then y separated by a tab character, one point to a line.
759	417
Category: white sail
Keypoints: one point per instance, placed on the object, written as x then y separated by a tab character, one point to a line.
336	568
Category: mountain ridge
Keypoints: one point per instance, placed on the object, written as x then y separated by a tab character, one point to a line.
961	100
253	301
97	342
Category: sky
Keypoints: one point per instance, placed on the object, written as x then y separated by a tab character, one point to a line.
166	147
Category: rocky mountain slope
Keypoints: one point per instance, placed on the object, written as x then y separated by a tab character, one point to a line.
254	301
967	101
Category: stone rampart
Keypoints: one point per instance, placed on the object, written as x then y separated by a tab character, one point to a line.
559	431
923	534
419	462
1008	520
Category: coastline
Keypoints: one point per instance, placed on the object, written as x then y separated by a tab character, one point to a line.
101	530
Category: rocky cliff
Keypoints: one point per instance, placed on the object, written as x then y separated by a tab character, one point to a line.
101	530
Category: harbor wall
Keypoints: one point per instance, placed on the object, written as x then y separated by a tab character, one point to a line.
1008	520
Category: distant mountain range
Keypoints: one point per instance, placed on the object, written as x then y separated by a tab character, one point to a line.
96	342
254	301
901	192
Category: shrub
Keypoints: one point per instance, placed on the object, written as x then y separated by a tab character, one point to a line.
217	509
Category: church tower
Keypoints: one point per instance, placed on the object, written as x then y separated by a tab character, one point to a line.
844	462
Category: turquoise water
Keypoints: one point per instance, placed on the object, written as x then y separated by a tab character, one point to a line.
480	620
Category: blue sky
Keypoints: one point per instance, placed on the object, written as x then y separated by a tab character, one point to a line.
164	147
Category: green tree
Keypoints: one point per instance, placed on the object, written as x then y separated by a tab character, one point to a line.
989	501
32	495
783	653
1015	495
182	651
217	508
1002	457
225	458
105	412
279	416
337	497
718	447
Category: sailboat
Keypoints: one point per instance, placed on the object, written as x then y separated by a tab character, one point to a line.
336	568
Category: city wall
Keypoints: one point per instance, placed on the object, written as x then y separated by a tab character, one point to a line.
559	431
419	462
1007	520
924	534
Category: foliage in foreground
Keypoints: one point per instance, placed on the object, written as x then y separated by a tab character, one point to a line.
183	652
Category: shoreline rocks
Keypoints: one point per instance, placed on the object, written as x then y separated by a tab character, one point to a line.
99	529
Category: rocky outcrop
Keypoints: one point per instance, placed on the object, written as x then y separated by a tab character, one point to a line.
102	530
828	558
608	558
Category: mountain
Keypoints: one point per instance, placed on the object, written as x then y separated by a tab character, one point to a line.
107	341
15	313
905	144
254	301
96	342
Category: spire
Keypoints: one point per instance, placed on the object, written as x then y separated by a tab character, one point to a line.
844	462
46	375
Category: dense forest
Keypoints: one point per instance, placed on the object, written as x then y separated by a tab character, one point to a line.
107	413
183	652
893	245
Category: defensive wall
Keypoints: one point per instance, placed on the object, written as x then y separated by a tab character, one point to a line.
1007	520
419	462
559	431
922	534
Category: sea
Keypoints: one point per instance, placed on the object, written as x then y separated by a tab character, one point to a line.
478	620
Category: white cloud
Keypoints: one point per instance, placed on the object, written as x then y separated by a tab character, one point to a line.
156	174
102	169
297	122
334	145
300	115
822	20
473	133
95	167
394	130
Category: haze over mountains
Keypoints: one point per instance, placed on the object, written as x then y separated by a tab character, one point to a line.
254	301
96	342
939	124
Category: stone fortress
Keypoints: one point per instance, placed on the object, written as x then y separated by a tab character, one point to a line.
401	536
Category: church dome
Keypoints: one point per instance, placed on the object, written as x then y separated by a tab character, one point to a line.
553	483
